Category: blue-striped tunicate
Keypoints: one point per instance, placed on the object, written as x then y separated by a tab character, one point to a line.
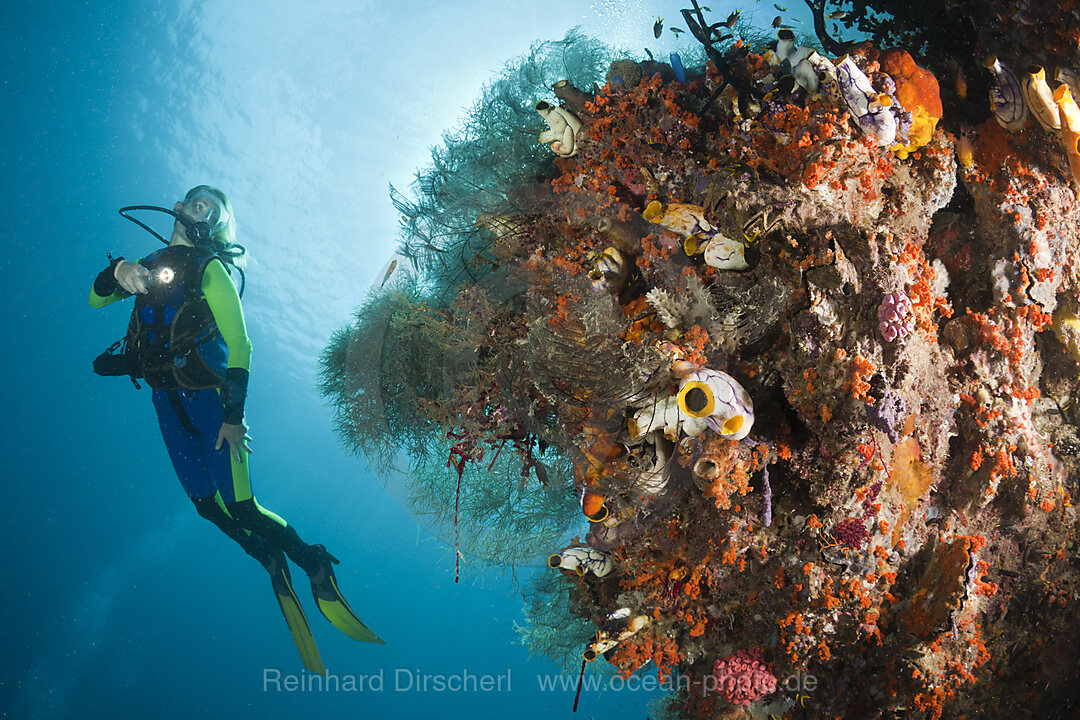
1040	98
1006	96
719	400
564	127
871	110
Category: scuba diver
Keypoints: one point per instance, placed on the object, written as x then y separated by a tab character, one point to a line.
188	341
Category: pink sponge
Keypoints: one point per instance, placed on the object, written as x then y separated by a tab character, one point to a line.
743	677
894	316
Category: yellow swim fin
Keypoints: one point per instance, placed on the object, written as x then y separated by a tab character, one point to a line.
333	606
294	615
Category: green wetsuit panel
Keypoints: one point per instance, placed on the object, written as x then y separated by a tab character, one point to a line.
98	301
224	303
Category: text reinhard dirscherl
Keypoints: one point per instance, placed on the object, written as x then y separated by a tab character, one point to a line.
400	680
413	680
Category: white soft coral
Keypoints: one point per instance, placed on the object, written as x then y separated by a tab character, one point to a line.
669	310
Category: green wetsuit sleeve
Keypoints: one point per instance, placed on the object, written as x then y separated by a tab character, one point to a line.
224	303
97	301
105	289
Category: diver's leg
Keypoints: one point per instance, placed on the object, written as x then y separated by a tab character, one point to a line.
212	473
229	478
184	446
277	533
187	419
213	510
232	478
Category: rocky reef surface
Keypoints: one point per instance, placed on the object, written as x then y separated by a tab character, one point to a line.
801	348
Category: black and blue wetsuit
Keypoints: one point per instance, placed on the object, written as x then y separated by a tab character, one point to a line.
188	340
199	379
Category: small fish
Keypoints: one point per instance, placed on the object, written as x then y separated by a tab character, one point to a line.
676	31
649	53
658	27
541	472
732	19
777	21
389	272
961	83
781	9
838	15
965	152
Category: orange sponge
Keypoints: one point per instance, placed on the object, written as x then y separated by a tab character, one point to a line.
917	90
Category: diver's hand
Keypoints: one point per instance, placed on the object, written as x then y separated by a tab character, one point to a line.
133	277
237	437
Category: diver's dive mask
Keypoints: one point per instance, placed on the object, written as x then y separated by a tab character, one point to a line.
198	232
207	220
207	215
204	213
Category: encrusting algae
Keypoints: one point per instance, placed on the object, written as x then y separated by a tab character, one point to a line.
840	444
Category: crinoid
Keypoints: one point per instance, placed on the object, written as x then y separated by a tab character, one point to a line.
728	210
578	361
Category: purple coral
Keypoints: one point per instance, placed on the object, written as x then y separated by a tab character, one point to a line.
887	412
743	677
766	512
894	316
851	533
868	501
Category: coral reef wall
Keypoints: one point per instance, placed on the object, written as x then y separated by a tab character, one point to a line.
794	347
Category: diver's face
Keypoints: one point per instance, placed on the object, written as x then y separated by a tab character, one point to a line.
199	208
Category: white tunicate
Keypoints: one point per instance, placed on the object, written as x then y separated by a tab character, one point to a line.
665	415
723	403
582	560
723	253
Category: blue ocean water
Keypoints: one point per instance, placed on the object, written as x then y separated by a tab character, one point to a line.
117	599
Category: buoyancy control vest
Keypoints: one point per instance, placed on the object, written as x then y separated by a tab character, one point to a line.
172	336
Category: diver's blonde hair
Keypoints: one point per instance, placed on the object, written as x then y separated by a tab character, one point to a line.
224	235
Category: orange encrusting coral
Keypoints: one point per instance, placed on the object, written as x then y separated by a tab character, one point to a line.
694	567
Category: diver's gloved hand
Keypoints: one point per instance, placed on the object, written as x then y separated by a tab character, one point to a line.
237	437
133	277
